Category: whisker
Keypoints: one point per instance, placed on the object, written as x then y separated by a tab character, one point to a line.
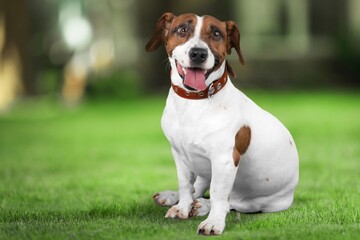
166	59
167	67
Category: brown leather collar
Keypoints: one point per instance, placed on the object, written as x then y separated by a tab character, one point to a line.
211	90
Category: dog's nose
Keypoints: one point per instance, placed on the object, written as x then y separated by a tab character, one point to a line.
198	55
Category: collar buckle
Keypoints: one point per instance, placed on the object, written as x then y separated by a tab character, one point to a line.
211	90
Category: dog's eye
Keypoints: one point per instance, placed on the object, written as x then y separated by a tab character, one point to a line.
217	35
182	31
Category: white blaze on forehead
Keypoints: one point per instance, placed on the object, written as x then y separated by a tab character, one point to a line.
198	26
196	41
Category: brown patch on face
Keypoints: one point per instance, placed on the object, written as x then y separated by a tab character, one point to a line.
172	31
242	142
181	29
221	37
214	33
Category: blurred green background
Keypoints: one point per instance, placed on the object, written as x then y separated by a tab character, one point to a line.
77	49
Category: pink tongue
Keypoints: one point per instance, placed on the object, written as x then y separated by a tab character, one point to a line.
195	78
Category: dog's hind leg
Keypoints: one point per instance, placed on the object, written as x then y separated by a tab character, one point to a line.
200	206
170	198
273	203
166	198
201	185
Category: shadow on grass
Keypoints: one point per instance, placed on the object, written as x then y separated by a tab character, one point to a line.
138	211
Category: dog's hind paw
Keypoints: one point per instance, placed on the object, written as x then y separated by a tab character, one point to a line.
166	198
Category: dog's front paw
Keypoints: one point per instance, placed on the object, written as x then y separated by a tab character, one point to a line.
177	212
211	227
200	207
166	198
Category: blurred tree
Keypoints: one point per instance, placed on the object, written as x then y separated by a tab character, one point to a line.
15	66
147	16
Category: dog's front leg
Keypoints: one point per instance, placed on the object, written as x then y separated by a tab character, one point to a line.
185	180
222	181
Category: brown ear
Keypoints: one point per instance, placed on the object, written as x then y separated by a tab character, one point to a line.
161	32
233	35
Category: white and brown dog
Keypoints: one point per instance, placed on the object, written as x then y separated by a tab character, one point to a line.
220	139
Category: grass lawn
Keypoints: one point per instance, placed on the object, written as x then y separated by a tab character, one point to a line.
89	173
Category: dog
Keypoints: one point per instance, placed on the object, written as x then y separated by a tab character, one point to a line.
221	140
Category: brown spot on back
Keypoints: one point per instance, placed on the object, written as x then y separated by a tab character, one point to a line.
242	139
242	142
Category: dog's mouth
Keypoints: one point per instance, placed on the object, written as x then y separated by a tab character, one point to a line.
194	77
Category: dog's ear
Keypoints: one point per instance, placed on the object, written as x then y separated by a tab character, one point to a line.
161	32
233	35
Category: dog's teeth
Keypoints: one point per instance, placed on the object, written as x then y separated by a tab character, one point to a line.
184	70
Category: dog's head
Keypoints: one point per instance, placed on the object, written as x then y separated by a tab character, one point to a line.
196	47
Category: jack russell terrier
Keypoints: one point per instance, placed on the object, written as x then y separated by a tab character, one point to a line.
220	139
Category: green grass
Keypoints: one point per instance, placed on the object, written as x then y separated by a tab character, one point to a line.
89	173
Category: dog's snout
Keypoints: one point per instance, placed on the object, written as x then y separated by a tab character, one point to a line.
198	55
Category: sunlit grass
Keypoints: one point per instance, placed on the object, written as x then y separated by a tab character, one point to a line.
90	172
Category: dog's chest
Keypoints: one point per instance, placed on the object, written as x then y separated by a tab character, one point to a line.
194	128
187	125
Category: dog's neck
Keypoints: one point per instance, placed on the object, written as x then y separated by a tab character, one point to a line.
216	84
